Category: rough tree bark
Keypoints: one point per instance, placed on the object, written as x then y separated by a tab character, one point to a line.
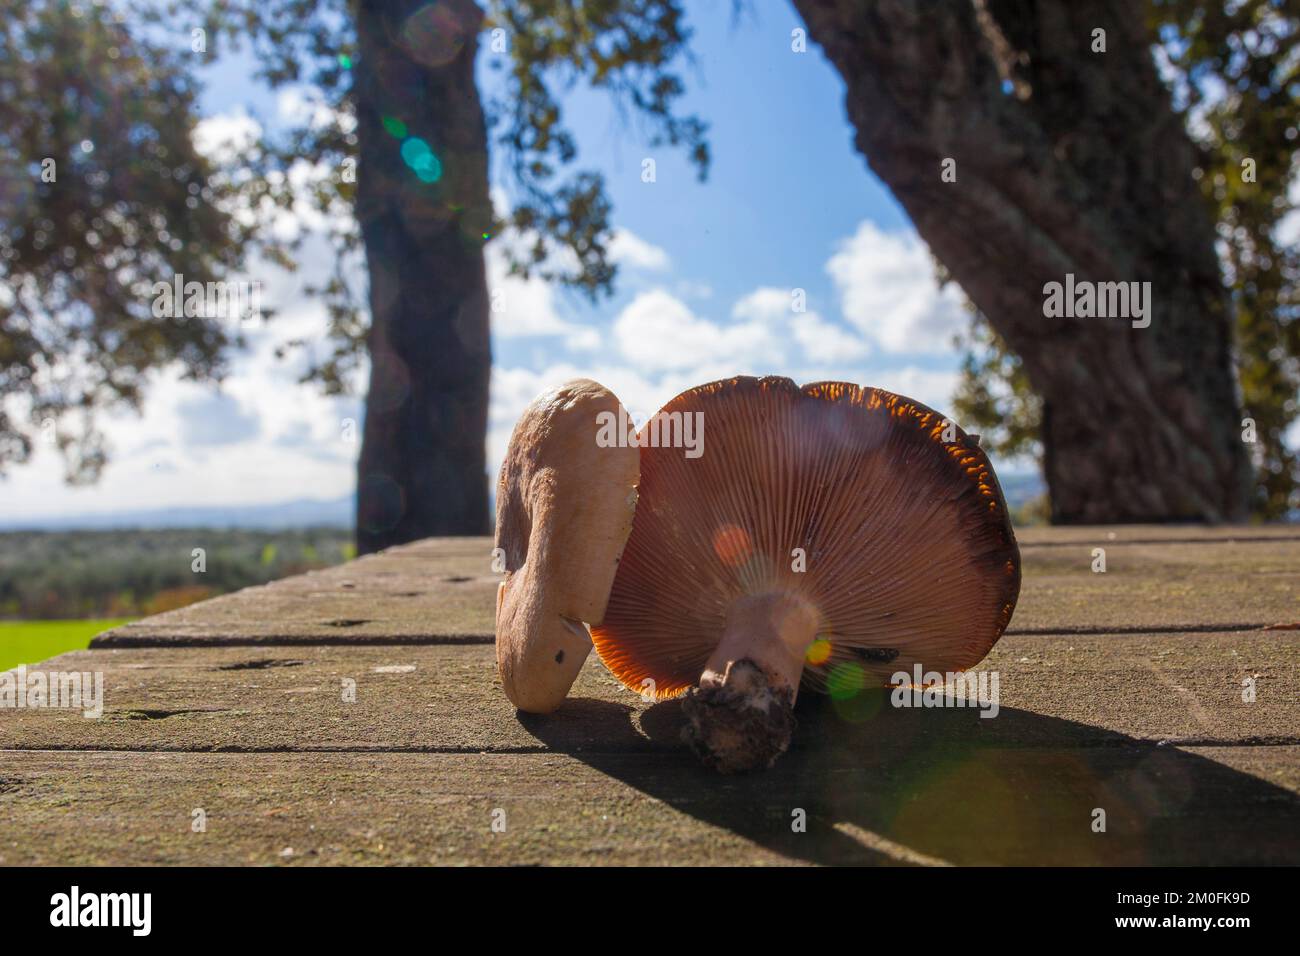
1082	168
422	468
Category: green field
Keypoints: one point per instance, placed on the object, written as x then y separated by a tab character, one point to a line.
90	575
29	642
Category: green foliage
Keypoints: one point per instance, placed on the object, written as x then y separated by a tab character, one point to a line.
1234	71
1035	511
70	574
131	203
78	256
1237	69
994	398
625	47
312	44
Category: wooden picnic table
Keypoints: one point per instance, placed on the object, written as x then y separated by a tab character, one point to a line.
1120	691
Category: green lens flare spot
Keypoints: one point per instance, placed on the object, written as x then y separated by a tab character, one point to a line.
345	61
395	127
845	681
417	154
860	708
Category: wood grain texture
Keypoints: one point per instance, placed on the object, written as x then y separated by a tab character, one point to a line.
1127	697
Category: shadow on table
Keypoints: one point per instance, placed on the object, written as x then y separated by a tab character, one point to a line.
878	784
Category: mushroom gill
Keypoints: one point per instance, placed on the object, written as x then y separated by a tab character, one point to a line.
822	526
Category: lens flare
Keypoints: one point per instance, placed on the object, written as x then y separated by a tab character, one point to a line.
845	681
435	33
417	154
819	652
731	544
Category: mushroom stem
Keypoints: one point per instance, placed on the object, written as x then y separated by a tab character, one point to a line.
742	715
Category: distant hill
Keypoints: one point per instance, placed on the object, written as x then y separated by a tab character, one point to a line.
1020	487
298	513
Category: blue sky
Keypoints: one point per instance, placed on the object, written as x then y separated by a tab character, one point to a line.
785	182
708	271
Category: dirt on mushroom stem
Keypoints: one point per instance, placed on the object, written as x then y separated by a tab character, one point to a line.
741	717
743	723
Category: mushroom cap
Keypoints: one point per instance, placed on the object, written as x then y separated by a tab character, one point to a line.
564	510
908	549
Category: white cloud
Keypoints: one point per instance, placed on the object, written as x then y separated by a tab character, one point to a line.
825	342
528	308
268	438
225	137
306	106
888	291
523	308
658	331
629	249
691	289
165	457
1287	230
216	418
820	339
192	445
765	304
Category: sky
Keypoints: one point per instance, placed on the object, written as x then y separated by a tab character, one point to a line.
705	287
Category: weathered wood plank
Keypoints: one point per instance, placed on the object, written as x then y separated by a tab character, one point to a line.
1037	536
946	804
1090	688
444	591
1149	726
1168	586
435	591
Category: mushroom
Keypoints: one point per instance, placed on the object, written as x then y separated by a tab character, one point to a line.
565	501
828	533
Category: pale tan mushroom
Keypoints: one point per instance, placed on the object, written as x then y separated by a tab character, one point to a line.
565	501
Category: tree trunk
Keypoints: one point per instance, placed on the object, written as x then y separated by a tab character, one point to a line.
1082	168
422	469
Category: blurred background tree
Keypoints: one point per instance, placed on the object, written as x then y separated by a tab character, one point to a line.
103	194
1234	71
398	98
1071	159
1140	424
395	119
